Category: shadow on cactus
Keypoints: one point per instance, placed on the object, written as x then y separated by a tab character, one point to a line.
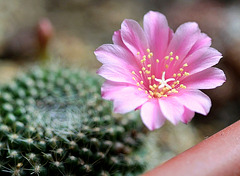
54	121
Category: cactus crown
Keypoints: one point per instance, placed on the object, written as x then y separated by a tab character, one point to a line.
54	121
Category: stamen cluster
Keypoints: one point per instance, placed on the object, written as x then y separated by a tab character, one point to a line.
151	68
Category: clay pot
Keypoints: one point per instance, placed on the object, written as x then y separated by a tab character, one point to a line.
216	155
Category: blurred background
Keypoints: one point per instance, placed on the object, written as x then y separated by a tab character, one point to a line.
71	30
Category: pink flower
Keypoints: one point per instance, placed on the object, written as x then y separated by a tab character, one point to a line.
159	71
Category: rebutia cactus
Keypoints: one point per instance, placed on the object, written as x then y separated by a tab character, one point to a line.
53	121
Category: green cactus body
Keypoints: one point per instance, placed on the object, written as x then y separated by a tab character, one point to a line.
53	121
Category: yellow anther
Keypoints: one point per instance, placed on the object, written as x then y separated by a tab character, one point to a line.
153	76
171	53
138	84
133	78
151	93
138	53
171	59
140	89
154	85
146	92
164	95
182	86
151	54
147	71
141	82
142	61
140	72
143	68
151	87
176	82
148	50
144	56
166	66
149	96
179	74
174	75
165	89
173	86
133	72
181	69
186	73
157	61
185	65
166	57
149	65
174	91
177	57
158	95
149	78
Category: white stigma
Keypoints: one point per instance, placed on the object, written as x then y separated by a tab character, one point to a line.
164	82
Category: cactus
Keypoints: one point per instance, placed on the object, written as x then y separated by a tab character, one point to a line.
53	121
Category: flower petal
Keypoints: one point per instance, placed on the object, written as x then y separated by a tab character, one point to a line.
133	36
171	109
117	39
195	100
116	73
110	89
116	55
157	32
202	59
151	115
203	41
207	79
184	39
124	96
187	115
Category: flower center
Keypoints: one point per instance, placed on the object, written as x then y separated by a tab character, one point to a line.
151	78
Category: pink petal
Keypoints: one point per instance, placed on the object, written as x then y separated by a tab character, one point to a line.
187	115
206	79
157	32
171	109
133	36
184	39
202	59
200	41
203	41
151	115
117	38
194	100
110	89
116	73
124	96
116	55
